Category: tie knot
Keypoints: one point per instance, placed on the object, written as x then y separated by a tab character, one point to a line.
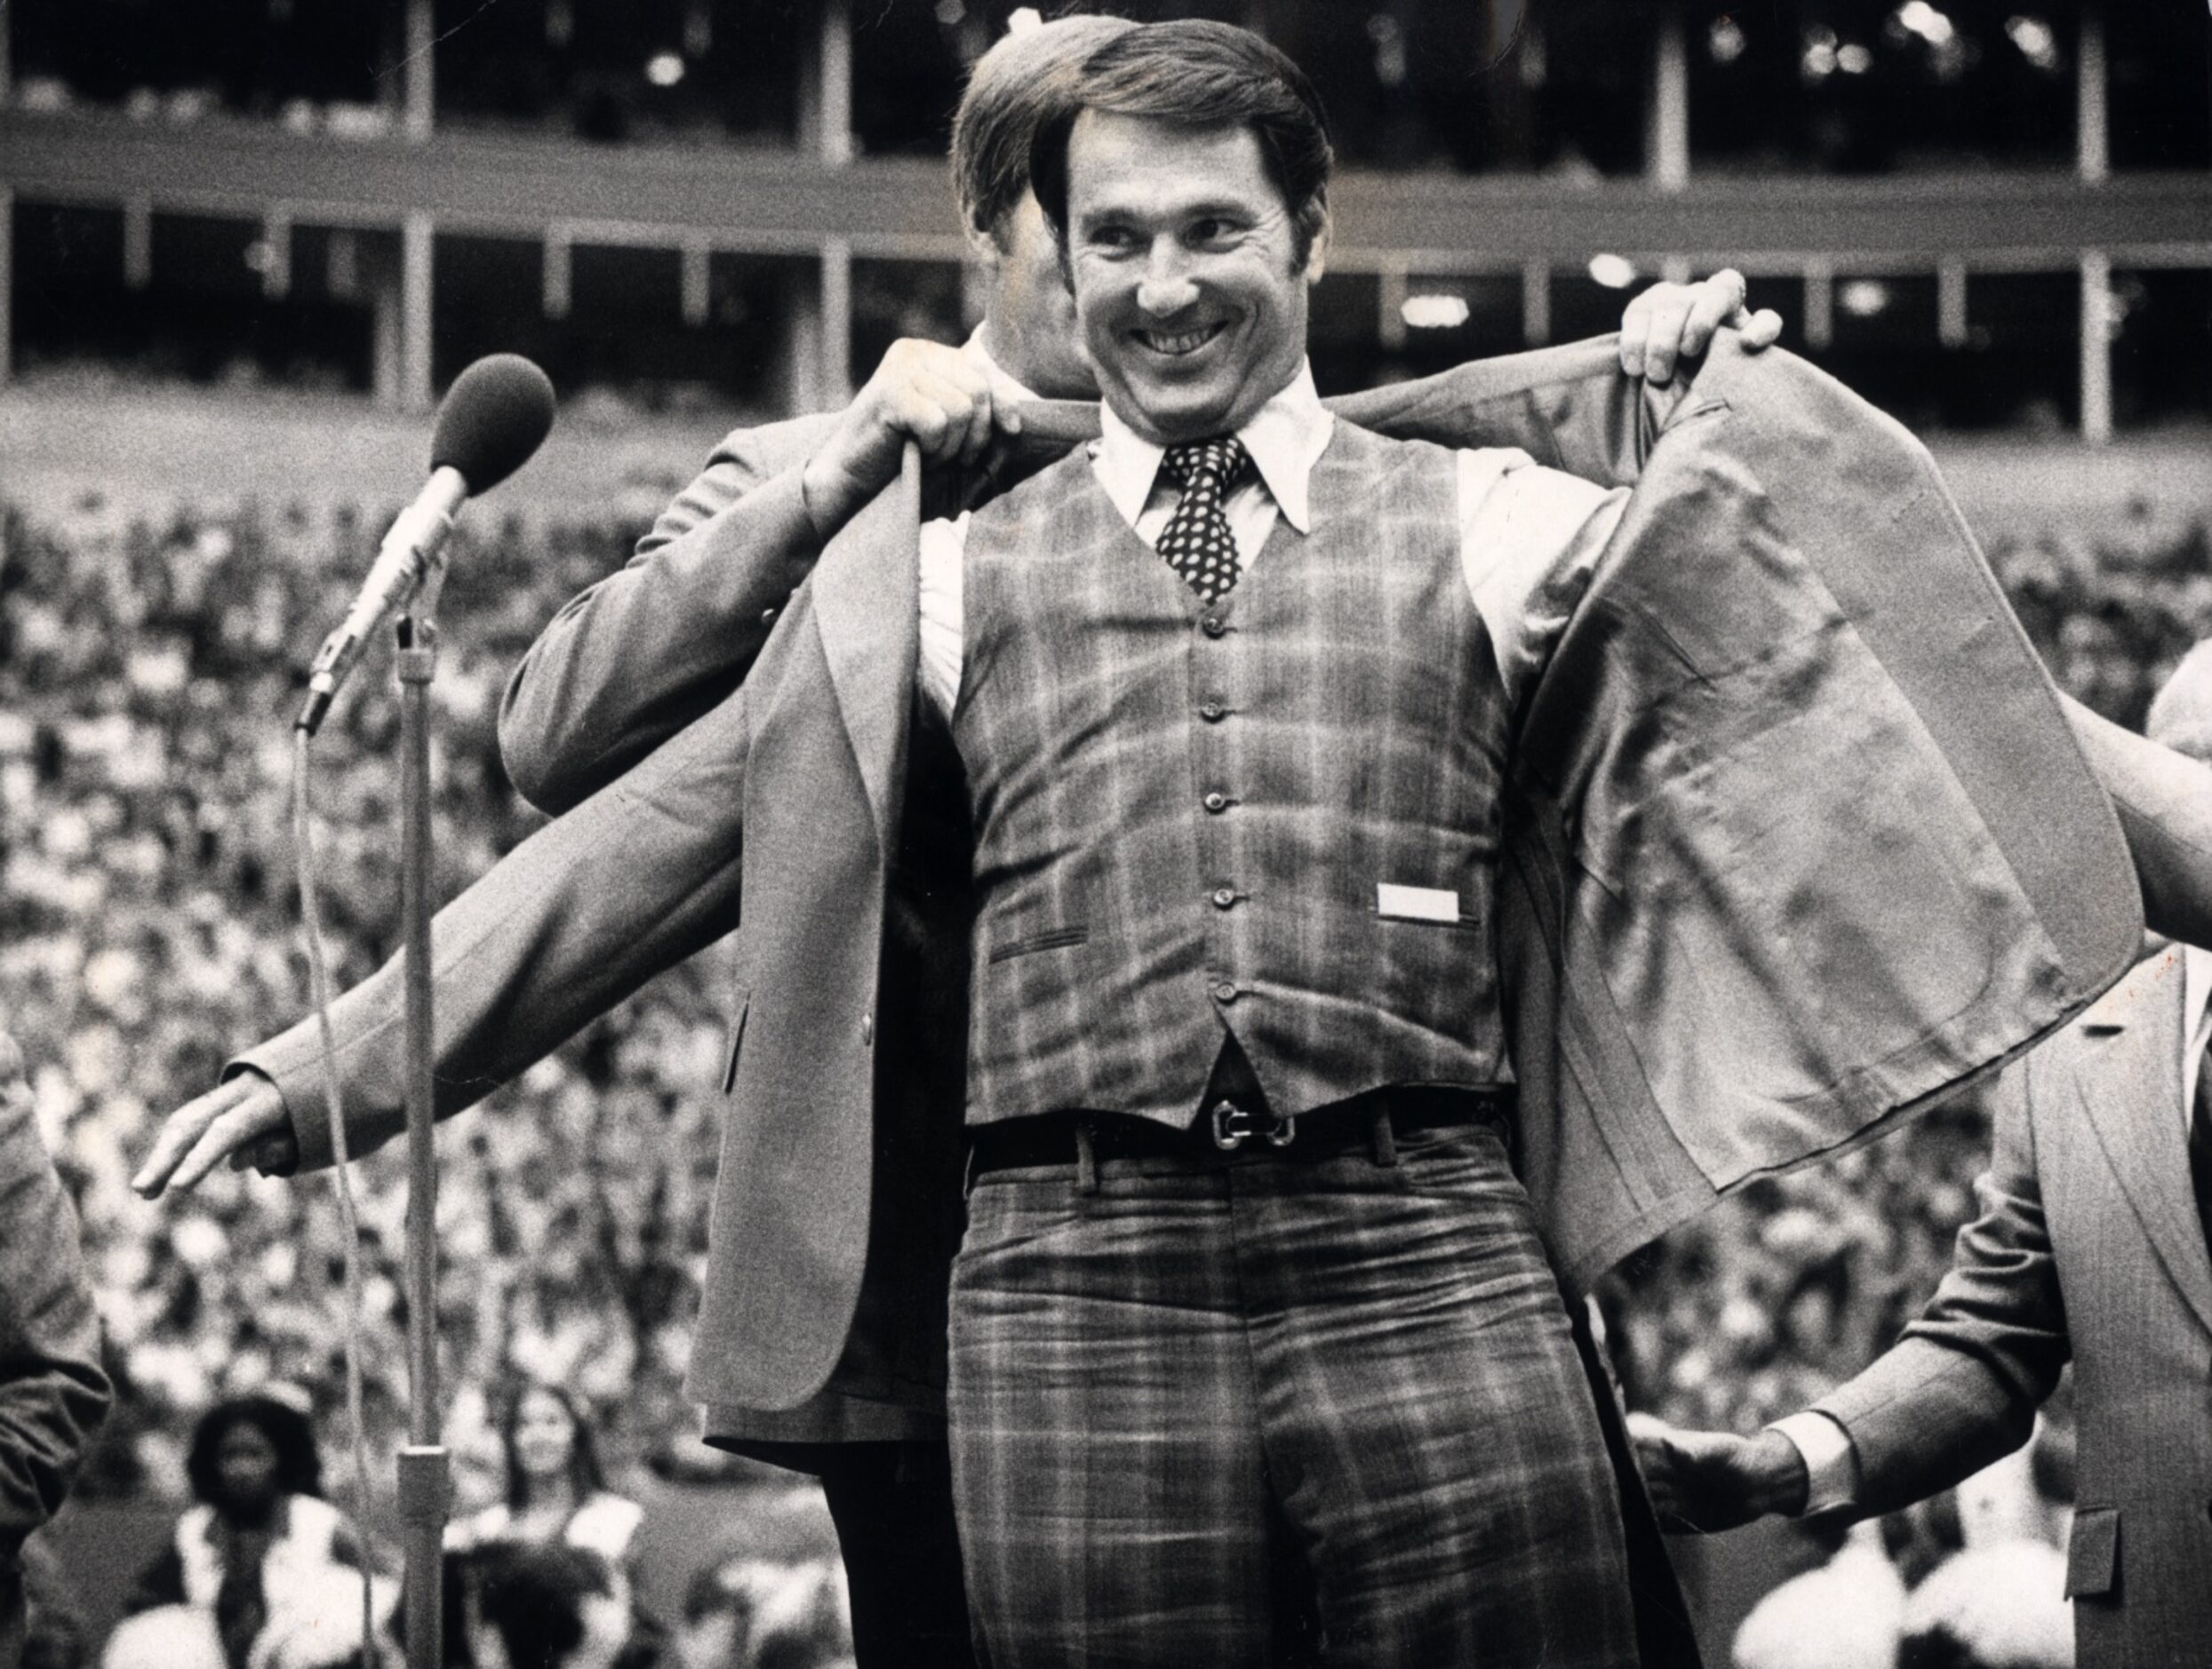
1223	461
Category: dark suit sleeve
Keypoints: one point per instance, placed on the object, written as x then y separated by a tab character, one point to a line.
1960	1388
633	660
52	1391
642	875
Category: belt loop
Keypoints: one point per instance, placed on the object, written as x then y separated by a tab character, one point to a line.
1386	1140
1086	1159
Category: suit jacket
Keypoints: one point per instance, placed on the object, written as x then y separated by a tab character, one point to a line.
53	1393
2088	1245
1801	843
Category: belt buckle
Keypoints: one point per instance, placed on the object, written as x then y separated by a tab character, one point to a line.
1234	1125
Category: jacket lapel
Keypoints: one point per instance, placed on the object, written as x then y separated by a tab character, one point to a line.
2127	1076
865	588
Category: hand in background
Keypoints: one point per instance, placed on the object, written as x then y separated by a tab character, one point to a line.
1715	1481
1671	321
242	1120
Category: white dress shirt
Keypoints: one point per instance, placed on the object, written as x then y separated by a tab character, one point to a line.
1528	537
1830	1463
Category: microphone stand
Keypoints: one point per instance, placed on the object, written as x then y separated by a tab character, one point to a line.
424	1479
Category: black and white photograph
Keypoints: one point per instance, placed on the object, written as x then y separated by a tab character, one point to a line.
1245	834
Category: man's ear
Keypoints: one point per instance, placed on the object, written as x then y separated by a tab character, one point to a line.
983	250
1317	251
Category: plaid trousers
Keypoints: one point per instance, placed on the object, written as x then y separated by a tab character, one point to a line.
1279	1407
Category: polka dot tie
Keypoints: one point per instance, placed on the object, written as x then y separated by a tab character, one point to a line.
1196	541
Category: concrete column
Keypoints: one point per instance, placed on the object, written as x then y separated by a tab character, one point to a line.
1390	309
1951	321
1820	304
826	89
2092	149
276	252
836	317
698	288
1536	301
801	346
415	301
421	67
138	241
2096	347
555	285
1666	137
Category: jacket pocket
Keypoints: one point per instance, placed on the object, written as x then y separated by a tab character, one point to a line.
737	1038
2093	1552
1052	938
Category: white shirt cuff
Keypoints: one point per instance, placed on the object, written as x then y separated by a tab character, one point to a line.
1830	1463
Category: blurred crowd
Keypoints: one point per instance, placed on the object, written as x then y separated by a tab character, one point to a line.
148	911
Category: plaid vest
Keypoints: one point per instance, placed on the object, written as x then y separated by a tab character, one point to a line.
1274	817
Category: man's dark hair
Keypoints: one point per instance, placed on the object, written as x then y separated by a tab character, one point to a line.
533	1597
299	1465
1199	74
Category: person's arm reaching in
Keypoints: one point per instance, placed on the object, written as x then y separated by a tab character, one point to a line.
53	1393
643	874
633	660
1957	1391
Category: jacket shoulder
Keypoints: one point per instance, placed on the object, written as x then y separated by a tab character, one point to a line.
768	449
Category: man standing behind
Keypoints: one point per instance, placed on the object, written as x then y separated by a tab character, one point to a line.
53	1393
640	655
2090	1245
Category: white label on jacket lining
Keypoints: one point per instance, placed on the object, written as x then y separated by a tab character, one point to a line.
1417	904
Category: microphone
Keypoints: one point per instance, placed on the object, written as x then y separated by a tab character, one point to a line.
492	420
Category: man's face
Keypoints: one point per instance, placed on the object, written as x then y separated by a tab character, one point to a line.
1186	290
1032	328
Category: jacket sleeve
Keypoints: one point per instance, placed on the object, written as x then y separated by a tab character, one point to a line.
1960	1388
634	658
53	1393
644	874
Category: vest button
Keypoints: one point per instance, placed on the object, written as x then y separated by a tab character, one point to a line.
1213	625
1223	897
1225	991
768	616
1213	712
1216	802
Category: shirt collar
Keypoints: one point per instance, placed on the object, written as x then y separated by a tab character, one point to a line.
1285	439
2196	990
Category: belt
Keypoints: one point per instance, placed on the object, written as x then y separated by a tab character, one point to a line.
1378	1118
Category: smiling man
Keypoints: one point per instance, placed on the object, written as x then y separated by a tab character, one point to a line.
1251	1303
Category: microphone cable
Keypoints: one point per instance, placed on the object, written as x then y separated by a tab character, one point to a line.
341	1174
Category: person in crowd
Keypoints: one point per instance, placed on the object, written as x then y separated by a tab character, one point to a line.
1846	1613
53	1392
717	1627
550	1605
555	1492
557	1496
260	1540
636	658
2090	1246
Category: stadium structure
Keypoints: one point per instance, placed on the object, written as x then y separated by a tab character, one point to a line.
1985	216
